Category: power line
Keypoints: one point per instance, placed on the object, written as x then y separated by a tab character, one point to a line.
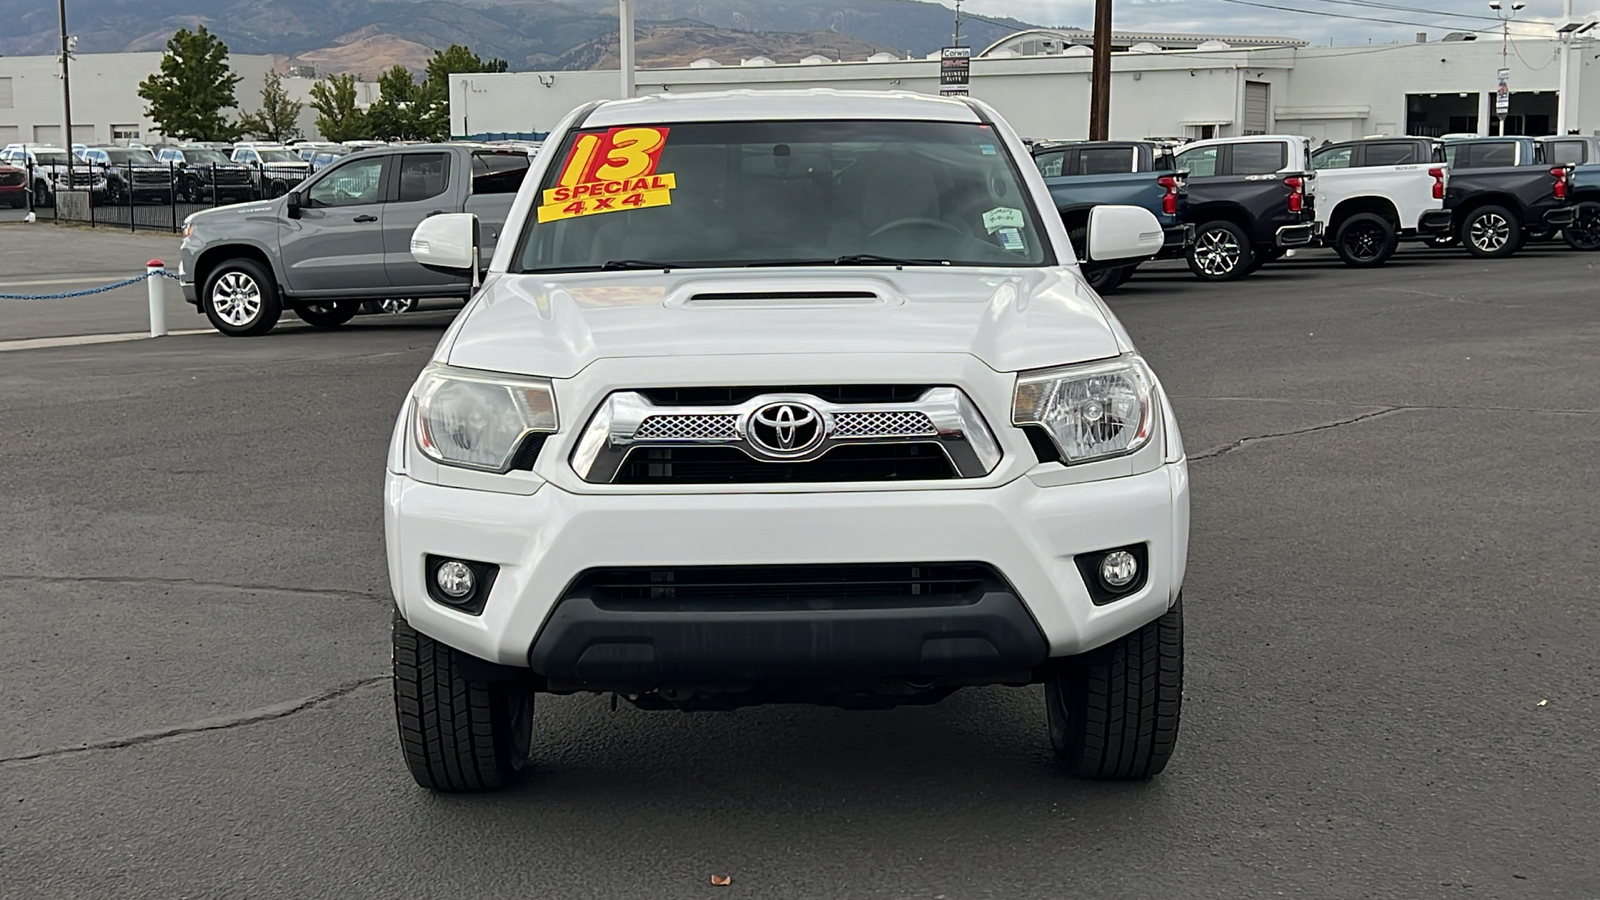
1370	4
1334	15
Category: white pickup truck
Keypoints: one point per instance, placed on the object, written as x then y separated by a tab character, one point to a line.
1374	193
785	396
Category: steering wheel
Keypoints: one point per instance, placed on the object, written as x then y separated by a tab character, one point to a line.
916	220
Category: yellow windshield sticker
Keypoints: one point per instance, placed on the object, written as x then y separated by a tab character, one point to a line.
610	172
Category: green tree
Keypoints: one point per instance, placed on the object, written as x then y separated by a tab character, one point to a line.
435	89
396	115
279	117
192	89
338	116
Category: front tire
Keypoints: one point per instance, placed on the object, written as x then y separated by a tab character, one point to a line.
241	299
327	315
1584	232
1221	252
1366	240
457	734
1491	232
1114	711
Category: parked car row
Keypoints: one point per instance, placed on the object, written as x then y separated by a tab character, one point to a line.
1231	205
195	173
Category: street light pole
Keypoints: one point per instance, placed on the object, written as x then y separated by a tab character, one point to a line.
1505	45
66	87
625	23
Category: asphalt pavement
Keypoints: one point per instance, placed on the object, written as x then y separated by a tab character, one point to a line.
1391	685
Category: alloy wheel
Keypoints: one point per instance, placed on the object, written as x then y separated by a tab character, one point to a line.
1490	233
1585	227
1363	240
236	298
1217	252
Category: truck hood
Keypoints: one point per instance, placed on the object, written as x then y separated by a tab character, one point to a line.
555	325
234	212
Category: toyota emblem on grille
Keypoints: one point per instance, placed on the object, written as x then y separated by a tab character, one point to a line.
785	429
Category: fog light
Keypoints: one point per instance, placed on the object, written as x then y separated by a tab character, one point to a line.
456	581
1117	570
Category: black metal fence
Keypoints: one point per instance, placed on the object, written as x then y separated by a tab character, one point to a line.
149	197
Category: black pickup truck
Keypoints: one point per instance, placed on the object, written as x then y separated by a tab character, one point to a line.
1583	153
1084	174
1502	193
1251	200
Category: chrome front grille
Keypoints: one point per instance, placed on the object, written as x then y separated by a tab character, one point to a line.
904	423
694	427
784	436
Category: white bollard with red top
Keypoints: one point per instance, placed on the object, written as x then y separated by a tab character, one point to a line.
155	274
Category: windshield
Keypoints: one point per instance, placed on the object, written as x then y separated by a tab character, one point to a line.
51	158
279	156
782	193
206	158
137	157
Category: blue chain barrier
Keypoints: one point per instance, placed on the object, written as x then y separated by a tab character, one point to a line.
84	293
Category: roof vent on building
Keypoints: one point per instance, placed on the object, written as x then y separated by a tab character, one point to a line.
1145	47
883	57
1078	50
705	62
815	59
1460	36
1214	45
1422	37
756	61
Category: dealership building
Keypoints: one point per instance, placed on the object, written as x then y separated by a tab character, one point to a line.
106	106
1187	86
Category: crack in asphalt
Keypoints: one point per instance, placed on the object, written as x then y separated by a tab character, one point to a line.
220	723
1294	401
191	582
1215	452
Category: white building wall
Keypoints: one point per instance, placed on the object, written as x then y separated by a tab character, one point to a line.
1044	97
1331	93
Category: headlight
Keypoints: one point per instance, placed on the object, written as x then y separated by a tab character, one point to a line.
477	419
1092	411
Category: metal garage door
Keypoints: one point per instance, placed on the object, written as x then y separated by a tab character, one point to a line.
1257	103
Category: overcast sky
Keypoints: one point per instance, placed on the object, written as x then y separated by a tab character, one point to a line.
1324	20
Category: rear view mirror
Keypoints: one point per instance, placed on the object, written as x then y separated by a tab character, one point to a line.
1123	232
291	204
447	241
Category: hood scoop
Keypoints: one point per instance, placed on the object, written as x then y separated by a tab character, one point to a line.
771	293
783	299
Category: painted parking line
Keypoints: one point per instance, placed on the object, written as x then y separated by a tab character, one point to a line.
82	339
85	279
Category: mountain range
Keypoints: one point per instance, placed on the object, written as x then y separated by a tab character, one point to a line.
367	36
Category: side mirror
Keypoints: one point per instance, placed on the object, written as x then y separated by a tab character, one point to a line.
291	204
448	242
1123	232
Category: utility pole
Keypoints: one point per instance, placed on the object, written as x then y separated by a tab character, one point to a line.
955	37
1505	45
625	23
66	88
1100	75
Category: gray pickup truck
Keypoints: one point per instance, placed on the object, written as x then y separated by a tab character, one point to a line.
343	237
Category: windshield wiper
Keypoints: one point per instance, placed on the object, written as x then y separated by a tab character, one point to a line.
852	259
614	265
873	259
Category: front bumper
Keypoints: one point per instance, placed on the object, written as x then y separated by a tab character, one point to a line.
1298	235
1028	529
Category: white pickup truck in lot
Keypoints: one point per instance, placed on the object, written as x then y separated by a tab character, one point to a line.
785	396
1374	193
